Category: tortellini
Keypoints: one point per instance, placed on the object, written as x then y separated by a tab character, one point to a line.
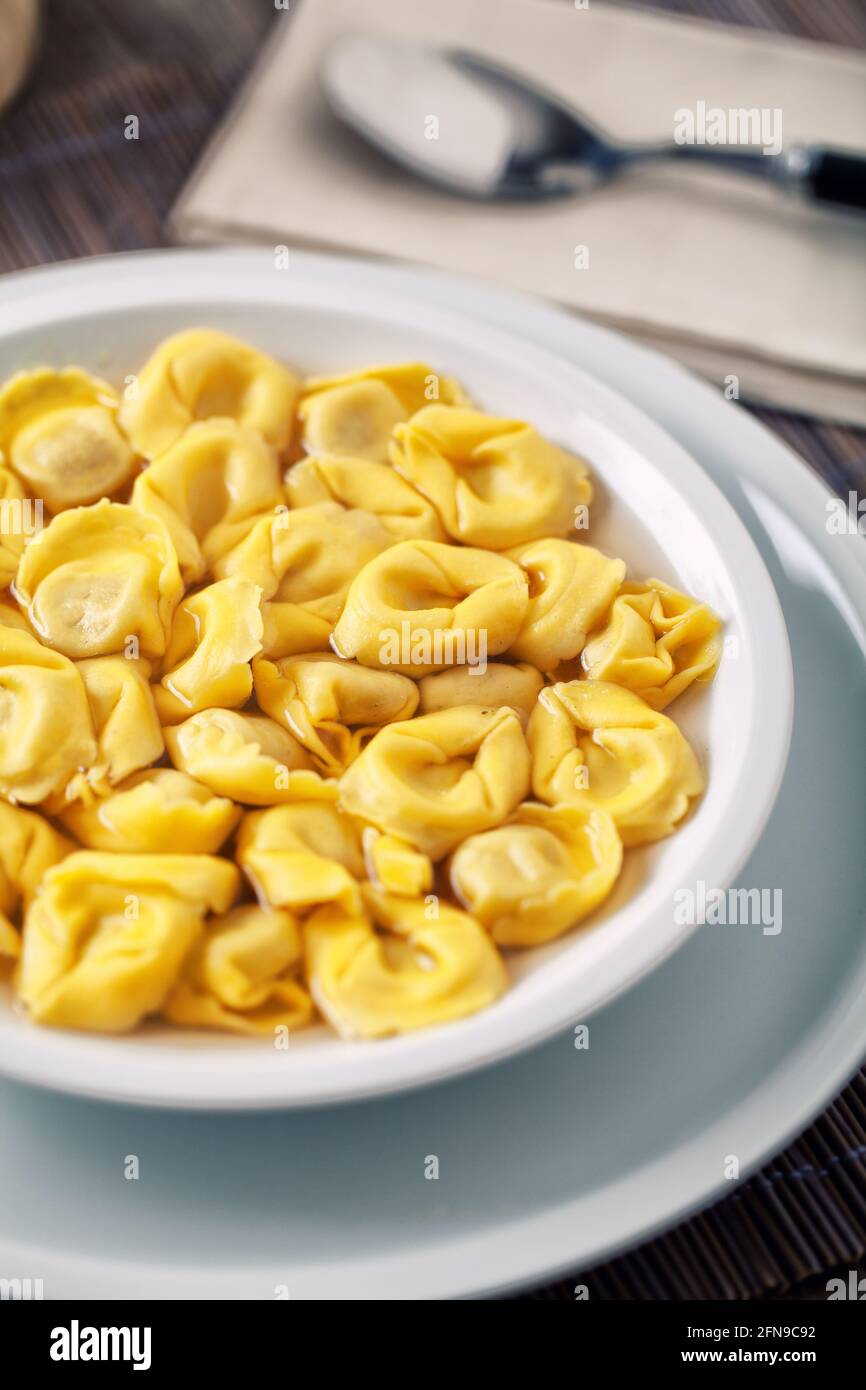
494	482
106	935
18	521
159	811
247	757
490	686
374	487
243	976
59	432
571	588
128	733
207	488
655	642
332	706
28	847
538	875
302	855
214	636
304	562
281	667
394	865
46	730
355	415
421	968
596	744
422	606
200	374
98	578
438	778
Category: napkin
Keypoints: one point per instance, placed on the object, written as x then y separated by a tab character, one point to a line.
760	293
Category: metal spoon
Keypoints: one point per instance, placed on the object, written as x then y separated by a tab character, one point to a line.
461	121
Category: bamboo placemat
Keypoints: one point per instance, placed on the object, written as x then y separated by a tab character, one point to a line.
72	185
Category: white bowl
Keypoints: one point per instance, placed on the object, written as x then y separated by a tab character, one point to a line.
656	508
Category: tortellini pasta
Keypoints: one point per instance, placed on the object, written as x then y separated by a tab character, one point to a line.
281	668
374	487
438	778
46	730
18	520
497	683
419	969
571	588
596	744
106	935
159	811
494	482
422	606
128	733
59	432
29	846
355	415
207	487
655	642
332	706
304	562
200	374
302	855
535	877
247	757
98	578
243	976
214	636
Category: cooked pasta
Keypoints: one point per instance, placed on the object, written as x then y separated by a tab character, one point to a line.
315	707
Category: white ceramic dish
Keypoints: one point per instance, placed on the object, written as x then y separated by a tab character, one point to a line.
556	1159
656	507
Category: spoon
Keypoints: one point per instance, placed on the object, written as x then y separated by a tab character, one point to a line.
463	122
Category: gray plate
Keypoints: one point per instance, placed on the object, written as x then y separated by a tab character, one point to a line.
559	1158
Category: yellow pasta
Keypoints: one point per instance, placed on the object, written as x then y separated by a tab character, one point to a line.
41	749
358	482
59	432
281	666
422	606
330	705
428	964
438	778
655	642
160	811
354	415
595	744
215	634
301	855
29	846
207	487
18	521
101	579
246	757
304	562
106	935
494	482
198	374
243	976
571	588
495	684
537	876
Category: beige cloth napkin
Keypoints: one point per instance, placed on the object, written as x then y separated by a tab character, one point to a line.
729	276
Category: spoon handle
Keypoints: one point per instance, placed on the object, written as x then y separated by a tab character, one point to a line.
835	176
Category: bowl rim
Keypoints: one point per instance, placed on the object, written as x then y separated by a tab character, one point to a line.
219	1079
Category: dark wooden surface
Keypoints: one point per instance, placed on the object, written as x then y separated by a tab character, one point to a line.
70	185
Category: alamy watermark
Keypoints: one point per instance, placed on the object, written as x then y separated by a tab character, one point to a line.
416	646
738	125
731	907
